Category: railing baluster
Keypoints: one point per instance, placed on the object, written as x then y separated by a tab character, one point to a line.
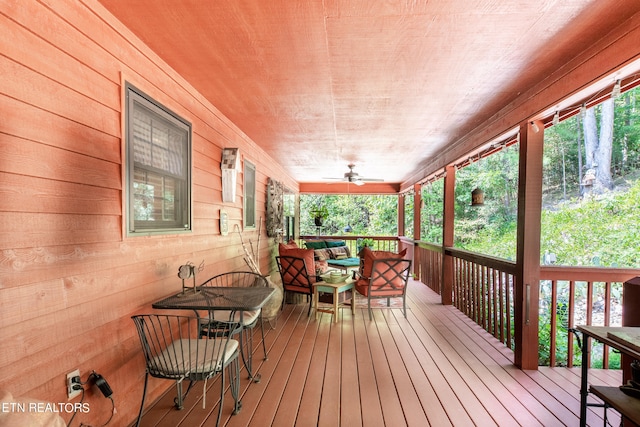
572	313
502	304
508	293
607	320
554	323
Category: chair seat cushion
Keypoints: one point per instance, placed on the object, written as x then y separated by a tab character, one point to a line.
248	317
189	357
347	262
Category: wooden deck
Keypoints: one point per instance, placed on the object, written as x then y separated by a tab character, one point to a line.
435	368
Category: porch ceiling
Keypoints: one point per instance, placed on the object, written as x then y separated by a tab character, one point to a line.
384	85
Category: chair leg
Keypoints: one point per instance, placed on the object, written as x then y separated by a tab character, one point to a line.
404	305
369	307
221	396
234	384
144	393
179	398
246	360
264	345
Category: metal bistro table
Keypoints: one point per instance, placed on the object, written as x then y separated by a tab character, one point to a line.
209	298
629	407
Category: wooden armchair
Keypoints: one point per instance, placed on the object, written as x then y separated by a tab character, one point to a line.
297	276
389	278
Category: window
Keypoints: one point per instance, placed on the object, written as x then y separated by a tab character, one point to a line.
158	162
249	195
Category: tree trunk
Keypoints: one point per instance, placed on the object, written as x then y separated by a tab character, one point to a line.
605	146
590	137
598	150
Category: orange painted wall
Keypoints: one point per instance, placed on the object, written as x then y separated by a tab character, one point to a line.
69	279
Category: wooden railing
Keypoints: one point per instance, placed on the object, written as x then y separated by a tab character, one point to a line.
382	243
483	290
482	287
569	296
572	296
427	260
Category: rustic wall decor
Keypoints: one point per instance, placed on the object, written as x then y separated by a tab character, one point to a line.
275	203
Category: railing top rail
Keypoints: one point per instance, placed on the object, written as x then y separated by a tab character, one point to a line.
430	246
486	260
350	237
591	274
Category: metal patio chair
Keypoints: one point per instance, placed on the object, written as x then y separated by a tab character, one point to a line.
295	277
247	319
173	350
389	278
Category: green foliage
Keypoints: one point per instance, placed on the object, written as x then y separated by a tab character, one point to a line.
408	215
603	231
371	215
432	211
579	230
320	212
491	228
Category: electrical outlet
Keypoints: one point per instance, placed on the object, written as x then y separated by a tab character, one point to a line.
72	379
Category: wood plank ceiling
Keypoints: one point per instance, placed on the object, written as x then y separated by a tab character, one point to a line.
385	85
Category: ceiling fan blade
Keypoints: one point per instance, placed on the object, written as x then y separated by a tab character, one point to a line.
353	177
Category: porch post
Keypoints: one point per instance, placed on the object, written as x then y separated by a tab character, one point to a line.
527	280
400	215
417	204
446	282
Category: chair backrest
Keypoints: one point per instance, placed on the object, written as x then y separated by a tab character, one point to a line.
389	276
368	256
241	279
173	350
293	272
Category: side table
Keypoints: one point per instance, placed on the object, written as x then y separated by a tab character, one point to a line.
335	289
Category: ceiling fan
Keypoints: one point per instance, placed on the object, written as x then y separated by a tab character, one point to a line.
354	177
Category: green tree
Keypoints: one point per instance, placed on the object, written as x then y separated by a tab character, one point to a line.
372	215
432	211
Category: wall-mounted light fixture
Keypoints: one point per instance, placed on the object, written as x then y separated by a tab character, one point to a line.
230	165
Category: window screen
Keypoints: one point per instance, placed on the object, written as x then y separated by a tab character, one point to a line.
158	165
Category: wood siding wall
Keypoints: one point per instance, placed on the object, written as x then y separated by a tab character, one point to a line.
69	278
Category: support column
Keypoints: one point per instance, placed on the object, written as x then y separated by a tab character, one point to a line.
401	226
448	210
527	280
417	205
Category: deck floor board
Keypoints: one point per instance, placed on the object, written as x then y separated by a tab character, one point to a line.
436	367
